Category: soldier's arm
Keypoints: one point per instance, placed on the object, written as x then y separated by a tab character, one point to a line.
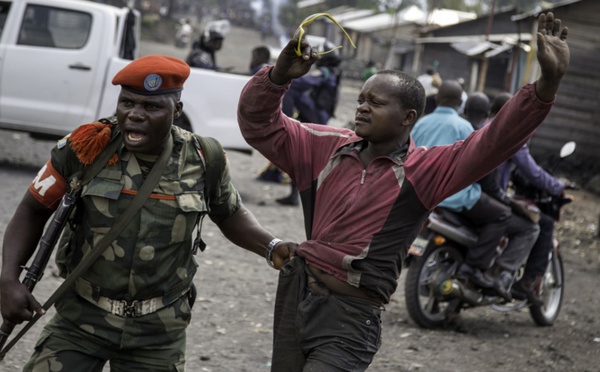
243	229
20	241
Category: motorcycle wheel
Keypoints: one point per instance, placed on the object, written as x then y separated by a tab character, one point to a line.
425	305
552	293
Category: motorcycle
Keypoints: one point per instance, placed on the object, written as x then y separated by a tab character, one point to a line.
434	296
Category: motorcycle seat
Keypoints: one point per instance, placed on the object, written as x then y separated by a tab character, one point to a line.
453	227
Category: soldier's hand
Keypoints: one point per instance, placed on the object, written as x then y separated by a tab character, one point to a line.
18	304
291	66
282	253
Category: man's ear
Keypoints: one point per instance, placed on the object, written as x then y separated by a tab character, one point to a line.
178	109
410	117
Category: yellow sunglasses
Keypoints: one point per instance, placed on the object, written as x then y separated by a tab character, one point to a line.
299	33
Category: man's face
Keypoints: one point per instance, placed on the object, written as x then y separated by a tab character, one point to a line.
217	44
145	121
380	117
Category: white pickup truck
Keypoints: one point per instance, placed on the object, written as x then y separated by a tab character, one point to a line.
57	60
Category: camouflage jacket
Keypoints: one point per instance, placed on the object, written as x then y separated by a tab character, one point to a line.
153	256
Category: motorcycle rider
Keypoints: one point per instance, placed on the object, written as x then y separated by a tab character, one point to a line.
477	109
491	215
204	50
527	167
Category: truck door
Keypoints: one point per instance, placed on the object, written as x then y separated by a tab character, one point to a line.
52	70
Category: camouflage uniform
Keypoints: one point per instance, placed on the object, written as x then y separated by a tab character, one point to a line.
151	259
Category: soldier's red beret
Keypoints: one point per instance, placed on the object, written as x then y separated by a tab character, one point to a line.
153	74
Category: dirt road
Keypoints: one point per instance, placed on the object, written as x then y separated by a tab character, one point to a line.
232	320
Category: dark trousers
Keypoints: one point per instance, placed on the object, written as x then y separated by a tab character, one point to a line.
321	333
491	219
522	235
538	258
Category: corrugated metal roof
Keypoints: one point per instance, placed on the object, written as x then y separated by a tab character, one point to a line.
412	14
447	17
353	14
306	3
485	48
473	48
543	7
384	21
479	38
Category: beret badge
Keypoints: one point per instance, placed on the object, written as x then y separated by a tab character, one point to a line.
152	82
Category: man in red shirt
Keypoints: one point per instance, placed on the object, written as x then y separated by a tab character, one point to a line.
366	193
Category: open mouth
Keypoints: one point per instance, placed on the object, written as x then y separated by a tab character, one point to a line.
135	137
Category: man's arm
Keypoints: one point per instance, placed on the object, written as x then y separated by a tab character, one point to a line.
295	148
20	241
243	230
465	162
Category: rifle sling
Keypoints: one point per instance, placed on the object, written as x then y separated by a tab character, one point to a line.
118	227
101	160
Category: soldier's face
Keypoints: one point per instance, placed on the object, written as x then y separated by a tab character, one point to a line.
146	121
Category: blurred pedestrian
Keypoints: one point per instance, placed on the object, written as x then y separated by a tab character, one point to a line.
261	57
463	96
431	81
370	69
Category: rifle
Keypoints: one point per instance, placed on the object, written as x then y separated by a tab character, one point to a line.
47	243
51	235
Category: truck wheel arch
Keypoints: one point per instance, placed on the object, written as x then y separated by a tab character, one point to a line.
183	122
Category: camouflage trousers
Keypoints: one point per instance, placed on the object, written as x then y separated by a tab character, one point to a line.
82	337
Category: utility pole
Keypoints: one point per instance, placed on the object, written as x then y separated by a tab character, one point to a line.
485	62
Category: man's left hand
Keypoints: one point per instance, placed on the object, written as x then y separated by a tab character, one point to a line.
553	55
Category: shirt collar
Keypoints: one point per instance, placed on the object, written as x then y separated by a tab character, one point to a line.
398	156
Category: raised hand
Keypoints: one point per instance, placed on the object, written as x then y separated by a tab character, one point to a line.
291	66
552	54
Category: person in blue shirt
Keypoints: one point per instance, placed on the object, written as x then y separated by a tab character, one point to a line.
492	217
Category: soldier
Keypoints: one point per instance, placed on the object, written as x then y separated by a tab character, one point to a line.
133	305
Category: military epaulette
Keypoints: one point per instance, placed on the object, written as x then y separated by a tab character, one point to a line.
89	140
